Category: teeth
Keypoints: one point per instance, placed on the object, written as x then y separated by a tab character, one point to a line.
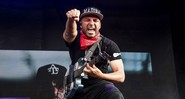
90	30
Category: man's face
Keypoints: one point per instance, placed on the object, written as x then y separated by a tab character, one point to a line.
90	26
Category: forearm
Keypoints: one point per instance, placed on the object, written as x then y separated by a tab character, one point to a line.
117	76
70	31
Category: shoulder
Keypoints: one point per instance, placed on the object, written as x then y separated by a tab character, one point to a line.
108	42
110	47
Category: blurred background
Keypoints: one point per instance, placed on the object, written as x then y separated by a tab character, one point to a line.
144	30
20	67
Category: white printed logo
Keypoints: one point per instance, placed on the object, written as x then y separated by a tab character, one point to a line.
116	54
53	69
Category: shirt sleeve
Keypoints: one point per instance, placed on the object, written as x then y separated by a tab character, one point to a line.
74	43
113	50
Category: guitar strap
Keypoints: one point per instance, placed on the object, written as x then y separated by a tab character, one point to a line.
90	52
73	74
87	56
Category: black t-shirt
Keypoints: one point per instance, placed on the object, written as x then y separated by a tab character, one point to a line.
107	45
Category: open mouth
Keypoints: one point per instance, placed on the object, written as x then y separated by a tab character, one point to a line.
91	30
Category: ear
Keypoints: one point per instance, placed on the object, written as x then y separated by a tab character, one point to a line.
80	24
100	26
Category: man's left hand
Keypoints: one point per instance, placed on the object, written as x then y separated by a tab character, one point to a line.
93	71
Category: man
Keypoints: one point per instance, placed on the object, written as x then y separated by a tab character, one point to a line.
99	84
50	81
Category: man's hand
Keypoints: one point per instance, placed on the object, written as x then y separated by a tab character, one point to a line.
93	71
70	31
73	14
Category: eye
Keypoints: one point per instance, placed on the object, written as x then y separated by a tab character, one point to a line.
96	20
85	19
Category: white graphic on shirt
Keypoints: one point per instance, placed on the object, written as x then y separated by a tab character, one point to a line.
116	54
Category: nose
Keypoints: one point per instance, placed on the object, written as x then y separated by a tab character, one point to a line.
91	23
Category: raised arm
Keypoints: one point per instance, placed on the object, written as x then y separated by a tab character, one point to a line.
70	31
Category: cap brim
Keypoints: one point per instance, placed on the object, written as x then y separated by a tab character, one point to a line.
100	16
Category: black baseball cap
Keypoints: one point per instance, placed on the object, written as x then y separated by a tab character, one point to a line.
51	73
91	11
